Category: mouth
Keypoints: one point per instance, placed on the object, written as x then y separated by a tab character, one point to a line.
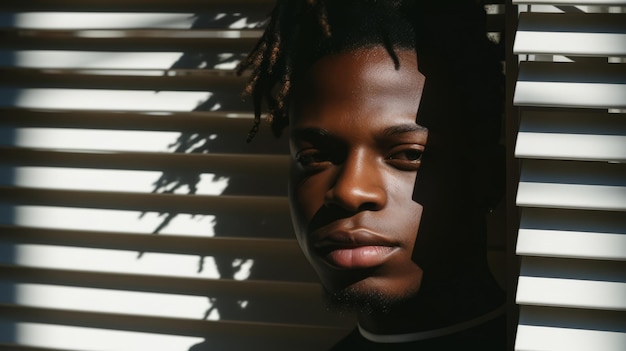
354	250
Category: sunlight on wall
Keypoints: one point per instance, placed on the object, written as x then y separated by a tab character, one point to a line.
111	220
111	301
80	20
128	100
101	340
90	59
106	180
112	261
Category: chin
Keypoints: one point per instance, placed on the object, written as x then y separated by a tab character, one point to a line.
360	297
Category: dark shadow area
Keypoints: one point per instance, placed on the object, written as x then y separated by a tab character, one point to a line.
574	220
546	121
573	172
571	268
576	21
8	97
611	321
569	72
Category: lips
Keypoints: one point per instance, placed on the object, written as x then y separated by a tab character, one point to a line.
354	249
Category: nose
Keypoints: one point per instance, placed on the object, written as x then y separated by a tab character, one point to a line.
358	184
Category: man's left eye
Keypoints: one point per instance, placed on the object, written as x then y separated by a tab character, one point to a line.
407	155
312	158
406	160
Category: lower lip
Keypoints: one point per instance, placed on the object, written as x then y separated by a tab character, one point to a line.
359	257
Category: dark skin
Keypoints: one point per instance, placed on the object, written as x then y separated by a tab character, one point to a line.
356	152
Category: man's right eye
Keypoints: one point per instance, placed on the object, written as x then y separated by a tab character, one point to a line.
312	158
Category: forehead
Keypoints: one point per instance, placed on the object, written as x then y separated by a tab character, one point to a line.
357	85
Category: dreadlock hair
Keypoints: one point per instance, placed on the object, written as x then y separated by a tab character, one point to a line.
450	41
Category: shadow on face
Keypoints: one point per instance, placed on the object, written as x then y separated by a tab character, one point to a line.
356	151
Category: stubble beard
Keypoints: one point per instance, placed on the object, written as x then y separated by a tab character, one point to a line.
355	300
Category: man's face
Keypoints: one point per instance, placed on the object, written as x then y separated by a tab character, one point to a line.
355	151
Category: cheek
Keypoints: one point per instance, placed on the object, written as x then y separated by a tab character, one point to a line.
412	227
306	197
407	213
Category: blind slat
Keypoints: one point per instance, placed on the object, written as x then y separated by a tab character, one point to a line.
571	136
162	325
572	2
134	5
571	146
231	126
572	196
552	328
573	172
571	293
200	121
199	204
245	289
16	347
179	80
572	233
545	337
231	164
558	84
575	185
570	44
571	34
144	40
588	245
572	283
201	246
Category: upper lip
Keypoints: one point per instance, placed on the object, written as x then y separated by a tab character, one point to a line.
348	239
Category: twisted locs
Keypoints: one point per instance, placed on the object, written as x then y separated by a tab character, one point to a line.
271	60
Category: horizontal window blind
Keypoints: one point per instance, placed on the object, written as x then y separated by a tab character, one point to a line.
571	94
133	215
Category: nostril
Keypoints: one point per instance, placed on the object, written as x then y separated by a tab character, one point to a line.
357	198
369	206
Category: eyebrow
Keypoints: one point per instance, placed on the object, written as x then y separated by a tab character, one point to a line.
311	132
305	133
404	128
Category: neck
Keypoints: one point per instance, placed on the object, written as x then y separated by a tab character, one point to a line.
438	305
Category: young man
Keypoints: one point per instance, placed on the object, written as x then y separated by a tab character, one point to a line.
393	133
